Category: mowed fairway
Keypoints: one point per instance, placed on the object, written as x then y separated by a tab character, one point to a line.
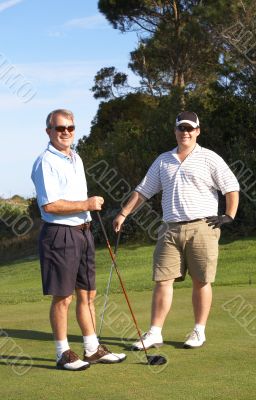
224	368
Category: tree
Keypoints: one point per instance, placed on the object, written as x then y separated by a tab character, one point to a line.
180	41
109	83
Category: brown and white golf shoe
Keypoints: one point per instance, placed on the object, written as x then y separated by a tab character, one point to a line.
104	356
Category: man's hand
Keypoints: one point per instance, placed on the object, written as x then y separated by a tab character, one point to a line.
94	203
118	222
218	220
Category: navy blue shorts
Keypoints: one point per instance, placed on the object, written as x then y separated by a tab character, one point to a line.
67	258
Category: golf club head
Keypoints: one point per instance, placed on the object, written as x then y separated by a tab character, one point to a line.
156	360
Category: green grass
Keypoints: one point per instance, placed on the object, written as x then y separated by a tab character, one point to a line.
222	369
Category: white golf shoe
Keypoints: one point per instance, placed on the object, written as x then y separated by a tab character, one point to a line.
194	340
149	340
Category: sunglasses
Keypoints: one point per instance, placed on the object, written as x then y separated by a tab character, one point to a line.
62	128
183	128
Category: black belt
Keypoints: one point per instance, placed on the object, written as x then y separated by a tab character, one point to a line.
188	222
83	227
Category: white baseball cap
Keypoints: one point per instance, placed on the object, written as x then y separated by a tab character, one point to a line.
189	118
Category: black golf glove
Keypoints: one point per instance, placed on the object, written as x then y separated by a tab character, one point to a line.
218	220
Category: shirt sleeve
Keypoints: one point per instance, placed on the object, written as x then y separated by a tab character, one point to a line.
223	177
151	183
47	183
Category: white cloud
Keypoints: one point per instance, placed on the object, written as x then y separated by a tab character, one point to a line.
8	4
91	22
87	23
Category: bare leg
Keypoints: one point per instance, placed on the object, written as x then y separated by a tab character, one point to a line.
85	311
201	300
161	302
59	316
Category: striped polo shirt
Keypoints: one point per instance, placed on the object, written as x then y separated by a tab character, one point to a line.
189	188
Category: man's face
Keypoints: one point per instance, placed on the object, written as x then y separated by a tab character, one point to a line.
61	139
186	135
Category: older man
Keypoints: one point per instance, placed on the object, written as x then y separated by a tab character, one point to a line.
189	177
66	242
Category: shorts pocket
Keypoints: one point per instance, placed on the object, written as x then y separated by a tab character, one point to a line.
202	252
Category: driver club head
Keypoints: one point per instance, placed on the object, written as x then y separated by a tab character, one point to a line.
156	360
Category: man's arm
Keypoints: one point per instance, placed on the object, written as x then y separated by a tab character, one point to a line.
134	201
65	207
232	200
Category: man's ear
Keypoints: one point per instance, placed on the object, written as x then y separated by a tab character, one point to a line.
198	131
47	130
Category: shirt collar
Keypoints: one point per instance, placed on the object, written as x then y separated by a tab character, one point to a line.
58	153
195	150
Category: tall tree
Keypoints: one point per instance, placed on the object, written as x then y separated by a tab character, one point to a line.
180	41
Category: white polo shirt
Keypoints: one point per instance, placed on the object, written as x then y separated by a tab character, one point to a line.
59	177
189	187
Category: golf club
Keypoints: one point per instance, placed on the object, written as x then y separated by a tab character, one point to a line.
108	285
152	359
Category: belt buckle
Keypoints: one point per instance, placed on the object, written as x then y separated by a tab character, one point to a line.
85	226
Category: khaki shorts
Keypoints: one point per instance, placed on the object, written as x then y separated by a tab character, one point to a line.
191	247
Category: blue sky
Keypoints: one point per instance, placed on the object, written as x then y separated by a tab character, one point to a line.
56	47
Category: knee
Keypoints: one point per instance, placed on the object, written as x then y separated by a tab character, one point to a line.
162	284
86	297
200	285
62	302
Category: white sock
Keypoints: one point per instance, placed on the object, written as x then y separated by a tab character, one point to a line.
200	329
91	343
61	346
155	330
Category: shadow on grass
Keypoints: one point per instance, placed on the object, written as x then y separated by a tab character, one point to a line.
124	343
176	345
28	334
127	344
12	361
32	362
48	337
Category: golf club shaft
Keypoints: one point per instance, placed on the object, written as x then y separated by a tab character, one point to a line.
106	299
108	285
121	282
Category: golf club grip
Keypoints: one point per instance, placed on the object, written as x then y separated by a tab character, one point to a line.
117	241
